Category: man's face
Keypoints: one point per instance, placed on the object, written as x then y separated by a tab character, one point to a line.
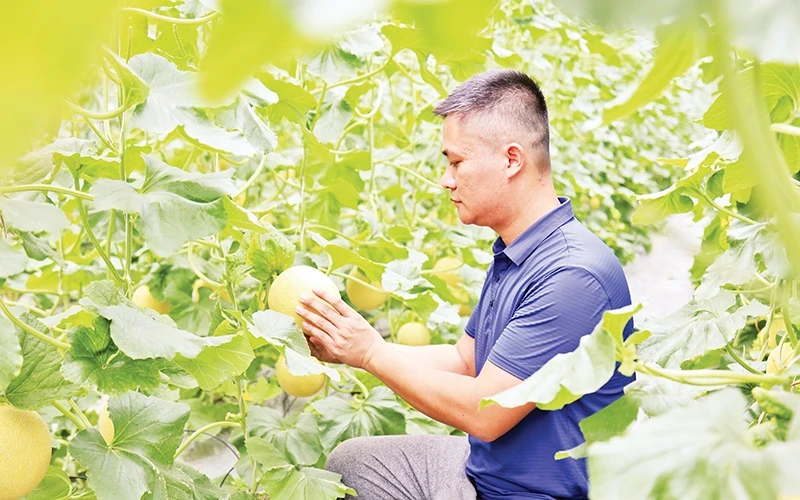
475	173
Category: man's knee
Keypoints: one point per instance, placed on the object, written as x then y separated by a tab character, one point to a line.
345	455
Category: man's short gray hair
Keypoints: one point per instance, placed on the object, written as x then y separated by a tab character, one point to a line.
505	94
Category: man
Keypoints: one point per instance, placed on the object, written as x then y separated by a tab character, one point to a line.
549	283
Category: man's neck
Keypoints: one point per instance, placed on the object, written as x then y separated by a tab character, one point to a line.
542	201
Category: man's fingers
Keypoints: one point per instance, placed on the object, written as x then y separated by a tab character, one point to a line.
323	308
336	301
322	338
315	318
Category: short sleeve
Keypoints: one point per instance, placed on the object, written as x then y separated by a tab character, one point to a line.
551	319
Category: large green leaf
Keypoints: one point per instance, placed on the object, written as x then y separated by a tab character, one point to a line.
10	354
56	485
279	330
268	252
698	452
680	44
296	435
305	482
39	381
173	206
32	216
568	376
780	87
379	414
695	329
141	334
94	360
284	481
12	261
147	432
216	364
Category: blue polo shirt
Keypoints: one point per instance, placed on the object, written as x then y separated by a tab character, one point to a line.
542	294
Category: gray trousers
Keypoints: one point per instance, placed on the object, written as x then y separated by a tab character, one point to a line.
412	467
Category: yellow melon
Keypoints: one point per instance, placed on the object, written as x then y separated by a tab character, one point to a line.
24	451
284	294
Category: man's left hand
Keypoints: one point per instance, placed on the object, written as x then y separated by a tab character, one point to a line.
337	330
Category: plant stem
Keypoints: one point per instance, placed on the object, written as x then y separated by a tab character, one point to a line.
85	220
785	128
356	79
359	281
739	360
199	432
110	115
46	187
169	19
356	381
101	136
253	177
787	321
36	333
197	272
80	413
726	211
712	377
64	411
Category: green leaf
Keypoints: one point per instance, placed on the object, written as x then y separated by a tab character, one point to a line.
296	436
136	90
268	253
656	395
568	376
240	116
305	482
38	249
777	83
696	328
680	44
216	364
200	130
140	334
12	261
267	455
702	451
294	101
341	256
56	485
241	218
39	381
380	414
147	432
94	360
301	364
181	482
279	330
10	354
170	90
33	216
656	206
173	206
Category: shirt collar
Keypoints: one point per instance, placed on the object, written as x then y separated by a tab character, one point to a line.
521	248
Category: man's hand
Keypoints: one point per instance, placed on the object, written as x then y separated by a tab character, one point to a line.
337	333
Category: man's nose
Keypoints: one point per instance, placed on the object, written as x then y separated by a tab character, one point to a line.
448	180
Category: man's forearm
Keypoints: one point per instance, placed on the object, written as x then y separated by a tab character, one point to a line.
443	357
445	396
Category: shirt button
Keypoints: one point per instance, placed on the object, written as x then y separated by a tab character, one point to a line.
491	303
496	279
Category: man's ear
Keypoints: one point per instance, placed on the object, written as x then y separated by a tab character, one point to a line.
516	159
